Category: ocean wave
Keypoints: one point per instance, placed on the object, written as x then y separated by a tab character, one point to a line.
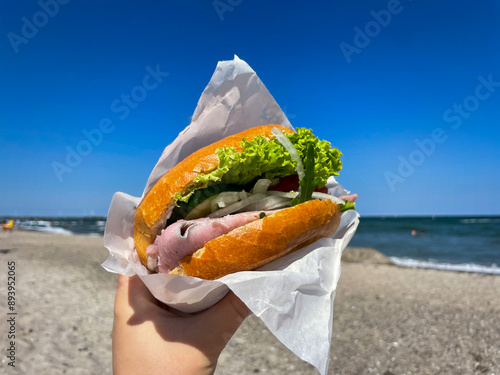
480	220
462	267
55	230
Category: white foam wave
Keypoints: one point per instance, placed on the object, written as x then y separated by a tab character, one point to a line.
47	229
479	221
463	267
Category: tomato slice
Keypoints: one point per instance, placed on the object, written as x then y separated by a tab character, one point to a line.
289	183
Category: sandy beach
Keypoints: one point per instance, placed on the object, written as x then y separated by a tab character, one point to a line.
388	319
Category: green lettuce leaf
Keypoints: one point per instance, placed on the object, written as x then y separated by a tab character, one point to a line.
347	206
262	158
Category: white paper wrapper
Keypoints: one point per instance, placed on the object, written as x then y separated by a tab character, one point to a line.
293	295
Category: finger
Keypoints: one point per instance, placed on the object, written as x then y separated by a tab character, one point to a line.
225	317
230	306
131	293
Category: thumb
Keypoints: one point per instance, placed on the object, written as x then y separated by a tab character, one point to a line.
232	305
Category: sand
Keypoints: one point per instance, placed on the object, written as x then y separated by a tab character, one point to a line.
388	320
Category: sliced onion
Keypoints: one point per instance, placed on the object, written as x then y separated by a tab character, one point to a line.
225	199
271	202
275	181
237	206
283	139
204	208
261	186
317	195
289	195
243	194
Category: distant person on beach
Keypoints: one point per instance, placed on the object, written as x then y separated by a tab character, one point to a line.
148	338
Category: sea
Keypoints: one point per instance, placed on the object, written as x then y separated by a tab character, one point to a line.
88	226
457	243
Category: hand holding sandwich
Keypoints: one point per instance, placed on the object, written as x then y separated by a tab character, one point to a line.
149	339
234	205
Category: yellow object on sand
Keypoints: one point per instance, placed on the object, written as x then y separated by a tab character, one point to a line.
9	225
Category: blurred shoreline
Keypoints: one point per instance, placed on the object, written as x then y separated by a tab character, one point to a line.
454	243
388	319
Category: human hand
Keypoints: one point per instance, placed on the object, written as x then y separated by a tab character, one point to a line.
149	338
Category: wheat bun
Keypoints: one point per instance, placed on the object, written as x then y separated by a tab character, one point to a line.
156	207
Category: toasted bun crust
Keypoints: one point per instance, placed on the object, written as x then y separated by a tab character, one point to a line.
156	207
262	241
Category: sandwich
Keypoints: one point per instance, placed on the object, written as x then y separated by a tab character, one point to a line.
240	203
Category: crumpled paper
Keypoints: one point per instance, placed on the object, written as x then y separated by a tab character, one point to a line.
293	295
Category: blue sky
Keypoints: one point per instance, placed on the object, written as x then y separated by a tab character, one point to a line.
409	91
